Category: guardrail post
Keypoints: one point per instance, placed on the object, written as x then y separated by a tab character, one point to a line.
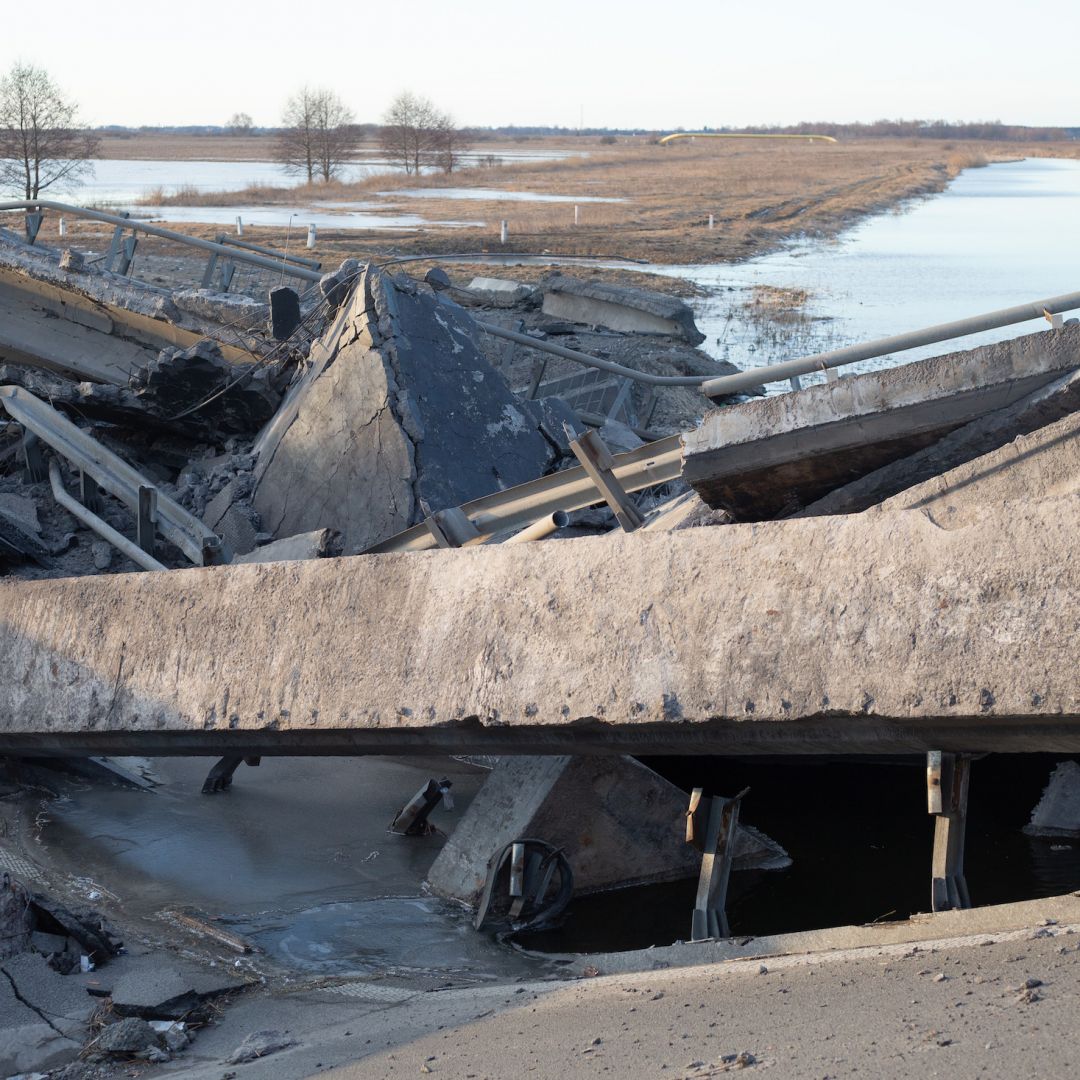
114	247
33	224
146	525
127	254
208	273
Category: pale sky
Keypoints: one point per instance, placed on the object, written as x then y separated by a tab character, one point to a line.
685	63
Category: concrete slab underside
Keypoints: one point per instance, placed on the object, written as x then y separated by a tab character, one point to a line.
773	456
864	634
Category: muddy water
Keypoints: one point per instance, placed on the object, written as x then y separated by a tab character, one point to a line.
998	236
295	856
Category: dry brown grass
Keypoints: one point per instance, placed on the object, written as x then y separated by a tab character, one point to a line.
760	194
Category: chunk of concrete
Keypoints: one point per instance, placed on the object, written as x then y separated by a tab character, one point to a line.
977	439
618	823
1058	811
619	307
157	988
499	292
319	544
774	456
399	416
126	1038
260	1044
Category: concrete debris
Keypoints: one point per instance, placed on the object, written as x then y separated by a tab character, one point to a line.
16	917
775	456
147	988
86	928
318	544
260	1044
1058	811
398	417
663	655
619	307
72	261
226	308
229	398
617	822
498	292
129	1037
335	287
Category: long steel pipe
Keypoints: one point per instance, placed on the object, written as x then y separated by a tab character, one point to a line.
974	324
103	529
593	361
229	252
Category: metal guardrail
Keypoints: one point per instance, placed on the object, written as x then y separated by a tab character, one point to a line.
572	489
153	511
121	252
912	339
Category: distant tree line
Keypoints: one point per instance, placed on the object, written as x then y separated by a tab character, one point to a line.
986	130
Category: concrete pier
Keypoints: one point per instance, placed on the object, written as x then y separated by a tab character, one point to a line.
877	633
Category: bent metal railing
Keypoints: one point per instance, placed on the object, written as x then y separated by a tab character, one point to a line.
121	253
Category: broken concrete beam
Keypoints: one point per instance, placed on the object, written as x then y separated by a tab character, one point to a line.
85	326
398	417
983	435
1058	811
1042	465
875	633
619	307
773	456
617	822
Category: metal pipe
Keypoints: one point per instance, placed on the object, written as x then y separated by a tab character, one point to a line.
593	361
167	234
912	339
105	531
571	489
539	529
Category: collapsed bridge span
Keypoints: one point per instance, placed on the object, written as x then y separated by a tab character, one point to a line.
865	634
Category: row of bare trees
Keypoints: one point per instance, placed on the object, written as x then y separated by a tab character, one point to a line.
318	136
42	142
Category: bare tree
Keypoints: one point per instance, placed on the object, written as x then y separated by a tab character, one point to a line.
318	137
41	141
415	134
449	143
240	123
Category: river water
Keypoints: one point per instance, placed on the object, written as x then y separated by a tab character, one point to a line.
998	236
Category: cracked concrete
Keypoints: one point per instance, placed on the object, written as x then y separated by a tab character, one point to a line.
399	416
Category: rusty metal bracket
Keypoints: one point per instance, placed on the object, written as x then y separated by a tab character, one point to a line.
451	528
947	780
710	827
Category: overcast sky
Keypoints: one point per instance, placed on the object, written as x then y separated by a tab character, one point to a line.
685	63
